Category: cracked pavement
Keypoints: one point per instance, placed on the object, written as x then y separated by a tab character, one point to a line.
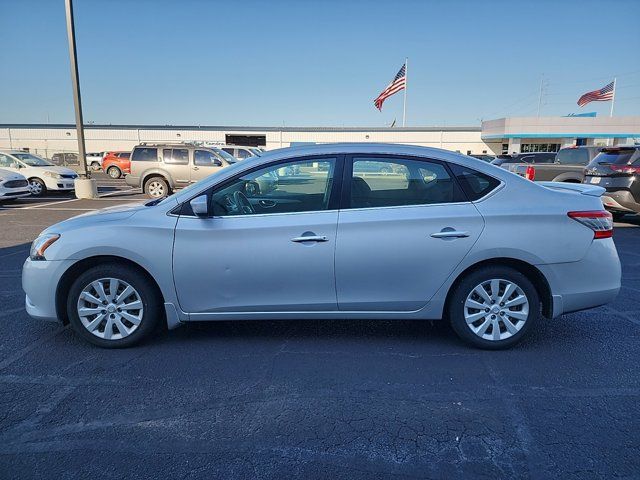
316	399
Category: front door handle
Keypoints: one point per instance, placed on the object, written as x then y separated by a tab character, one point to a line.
196	168
267	203
310	238
450	234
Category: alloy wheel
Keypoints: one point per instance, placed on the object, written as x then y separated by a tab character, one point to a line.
156	189
110	308
496	309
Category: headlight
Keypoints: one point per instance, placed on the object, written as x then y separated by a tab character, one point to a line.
40	245
52	174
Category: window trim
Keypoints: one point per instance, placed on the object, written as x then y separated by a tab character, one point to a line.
334	195
345	197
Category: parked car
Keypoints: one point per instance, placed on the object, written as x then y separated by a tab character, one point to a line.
12	185
116	164
567	167
485	157
461	240
508	161
94	161
63	159
617	170
160	169
41	174
241	152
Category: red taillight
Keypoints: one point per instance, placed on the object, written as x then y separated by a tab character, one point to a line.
625	169
530	174
600	221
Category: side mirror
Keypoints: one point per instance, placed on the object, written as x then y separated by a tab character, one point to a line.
200	206
217	163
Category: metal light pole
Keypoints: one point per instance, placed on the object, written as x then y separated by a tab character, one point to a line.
85	186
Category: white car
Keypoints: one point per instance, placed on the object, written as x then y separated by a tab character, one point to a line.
41	174
12	185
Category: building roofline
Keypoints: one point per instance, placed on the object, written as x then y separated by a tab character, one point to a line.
243	128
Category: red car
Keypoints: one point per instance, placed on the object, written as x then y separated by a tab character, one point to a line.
116	164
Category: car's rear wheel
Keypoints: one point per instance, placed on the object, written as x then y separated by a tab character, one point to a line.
37	187
113	305
114	172
156	187
494	307
95	166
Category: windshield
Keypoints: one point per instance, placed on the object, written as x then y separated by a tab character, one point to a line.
32	160
225	155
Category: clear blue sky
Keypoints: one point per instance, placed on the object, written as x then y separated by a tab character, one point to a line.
314	62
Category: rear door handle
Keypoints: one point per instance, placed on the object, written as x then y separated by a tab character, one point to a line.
450	234
310	238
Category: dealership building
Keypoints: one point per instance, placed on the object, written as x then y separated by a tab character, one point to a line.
503	135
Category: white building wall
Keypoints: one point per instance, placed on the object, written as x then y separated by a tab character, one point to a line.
47	141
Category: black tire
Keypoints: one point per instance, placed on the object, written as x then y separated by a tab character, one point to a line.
456	306
145	288
617	216
95	166
154	185
37	187
114	172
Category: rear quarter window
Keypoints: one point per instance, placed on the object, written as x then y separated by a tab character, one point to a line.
474	184
145	155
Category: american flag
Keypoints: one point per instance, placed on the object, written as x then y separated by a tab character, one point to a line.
603	95
399	83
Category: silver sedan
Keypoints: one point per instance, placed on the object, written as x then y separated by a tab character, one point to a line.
316	232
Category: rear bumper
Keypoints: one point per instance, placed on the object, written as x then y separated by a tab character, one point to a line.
591	282
621	201
132	181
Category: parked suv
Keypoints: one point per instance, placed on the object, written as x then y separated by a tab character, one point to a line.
241	152
617	169
116	164
161	168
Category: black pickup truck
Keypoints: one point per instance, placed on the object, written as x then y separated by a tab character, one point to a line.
568	166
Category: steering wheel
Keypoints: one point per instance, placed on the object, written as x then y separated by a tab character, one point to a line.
243	203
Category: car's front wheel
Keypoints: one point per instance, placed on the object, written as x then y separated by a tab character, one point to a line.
113	305
37	187
494	307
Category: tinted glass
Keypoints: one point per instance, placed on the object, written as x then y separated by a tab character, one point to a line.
227	156
618	157
574	156
144	154
124	155
475	184
205	158
390	182
242	154
298	186
176	156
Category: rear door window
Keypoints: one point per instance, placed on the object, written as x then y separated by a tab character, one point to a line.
144	154
176	156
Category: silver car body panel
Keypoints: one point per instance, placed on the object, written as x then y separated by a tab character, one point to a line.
519	220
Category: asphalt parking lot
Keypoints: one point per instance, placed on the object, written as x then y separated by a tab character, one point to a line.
314	399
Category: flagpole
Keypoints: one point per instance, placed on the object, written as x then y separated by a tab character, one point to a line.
613	99
404	103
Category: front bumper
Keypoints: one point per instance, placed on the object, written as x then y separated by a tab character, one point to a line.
590	282
10	193
40	281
